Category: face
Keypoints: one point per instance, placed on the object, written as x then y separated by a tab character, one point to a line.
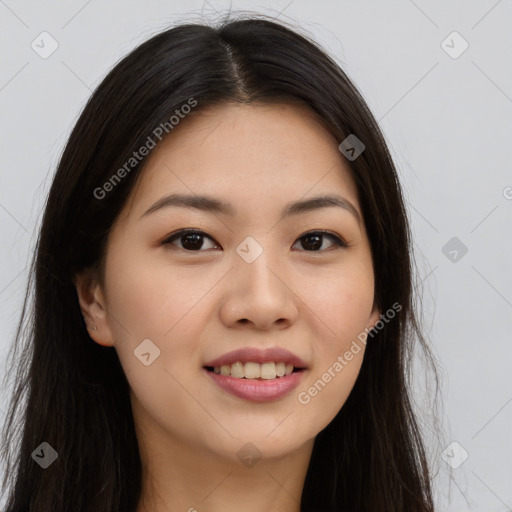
187	284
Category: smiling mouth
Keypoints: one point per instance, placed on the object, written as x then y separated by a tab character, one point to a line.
255	371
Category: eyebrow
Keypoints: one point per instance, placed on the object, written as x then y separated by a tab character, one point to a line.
213	205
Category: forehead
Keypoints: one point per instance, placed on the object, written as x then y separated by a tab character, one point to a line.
246	154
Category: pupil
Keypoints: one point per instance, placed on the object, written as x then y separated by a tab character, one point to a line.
196	241
315	245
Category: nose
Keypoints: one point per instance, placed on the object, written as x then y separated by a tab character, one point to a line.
259	294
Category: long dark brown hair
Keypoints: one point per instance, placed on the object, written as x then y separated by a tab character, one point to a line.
72	393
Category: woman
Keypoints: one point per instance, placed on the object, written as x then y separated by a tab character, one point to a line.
222	311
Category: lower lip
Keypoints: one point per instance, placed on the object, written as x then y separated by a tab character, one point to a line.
258	390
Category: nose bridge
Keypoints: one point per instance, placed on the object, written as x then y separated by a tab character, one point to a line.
257	267
259	292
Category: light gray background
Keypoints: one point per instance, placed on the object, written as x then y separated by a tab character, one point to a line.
448	122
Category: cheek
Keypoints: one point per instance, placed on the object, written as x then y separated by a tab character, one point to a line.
343	305
165	305
342	302
325	393
150	302
150	299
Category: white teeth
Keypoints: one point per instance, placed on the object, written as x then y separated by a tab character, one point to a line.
268	371
237	370
251	370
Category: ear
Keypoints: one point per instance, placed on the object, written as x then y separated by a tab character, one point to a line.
93	307
374	316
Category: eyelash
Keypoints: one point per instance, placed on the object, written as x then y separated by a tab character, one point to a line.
338	241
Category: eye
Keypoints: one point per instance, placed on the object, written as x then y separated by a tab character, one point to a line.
313	241
191	240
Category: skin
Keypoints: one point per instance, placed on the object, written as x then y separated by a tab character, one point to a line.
197	305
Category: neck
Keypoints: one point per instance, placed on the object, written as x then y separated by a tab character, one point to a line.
194	479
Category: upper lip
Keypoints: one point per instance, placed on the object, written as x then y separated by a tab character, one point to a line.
258	355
